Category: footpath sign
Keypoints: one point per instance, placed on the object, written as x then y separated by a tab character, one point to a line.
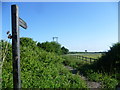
16	22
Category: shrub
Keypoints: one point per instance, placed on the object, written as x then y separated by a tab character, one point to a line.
106	80
64	50
109	82
110	61
50	47
27	42
39	69
53	47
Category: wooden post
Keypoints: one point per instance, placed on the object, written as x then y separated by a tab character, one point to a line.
82	57
119	21
90	60
15	47
86	59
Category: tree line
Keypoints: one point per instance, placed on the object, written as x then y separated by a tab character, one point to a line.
53	47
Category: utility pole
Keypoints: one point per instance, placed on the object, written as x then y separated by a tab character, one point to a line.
16	22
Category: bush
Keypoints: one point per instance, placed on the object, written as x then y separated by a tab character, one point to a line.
39	69
50	47
106	70
109	82
53	47
64	50
110	61
27	42
106	80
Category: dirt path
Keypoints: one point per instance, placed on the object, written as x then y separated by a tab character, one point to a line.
90	84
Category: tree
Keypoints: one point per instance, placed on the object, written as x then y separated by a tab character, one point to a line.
64	50
25	41
110	61
50	47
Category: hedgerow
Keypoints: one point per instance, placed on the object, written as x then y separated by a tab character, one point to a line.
39	69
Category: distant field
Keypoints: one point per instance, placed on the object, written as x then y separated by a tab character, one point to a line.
96	56
76	60
90	55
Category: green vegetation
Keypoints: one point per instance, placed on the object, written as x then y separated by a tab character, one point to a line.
85	52
76	61
53	47
42	66
64	50
95	55
106	70
107	81
72	61
39	68
88	70
110	61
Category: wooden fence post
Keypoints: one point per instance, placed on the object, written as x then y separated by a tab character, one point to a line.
82	57
86	59
90	60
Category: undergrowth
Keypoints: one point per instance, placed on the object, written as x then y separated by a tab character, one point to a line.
105	70
39	69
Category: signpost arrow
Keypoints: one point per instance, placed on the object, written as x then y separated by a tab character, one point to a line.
22	23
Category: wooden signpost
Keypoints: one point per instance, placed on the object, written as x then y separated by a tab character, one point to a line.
16	22
119	21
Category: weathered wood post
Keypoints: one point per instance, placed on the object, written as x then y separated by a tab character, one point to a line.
82	57
16	22
16	47
90	60
119	21
85	58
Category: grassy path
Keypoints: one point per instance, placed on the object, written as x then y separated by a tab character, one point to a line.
90	84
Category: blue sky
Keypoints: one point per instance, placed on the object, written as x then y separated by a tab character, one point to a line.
79	26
